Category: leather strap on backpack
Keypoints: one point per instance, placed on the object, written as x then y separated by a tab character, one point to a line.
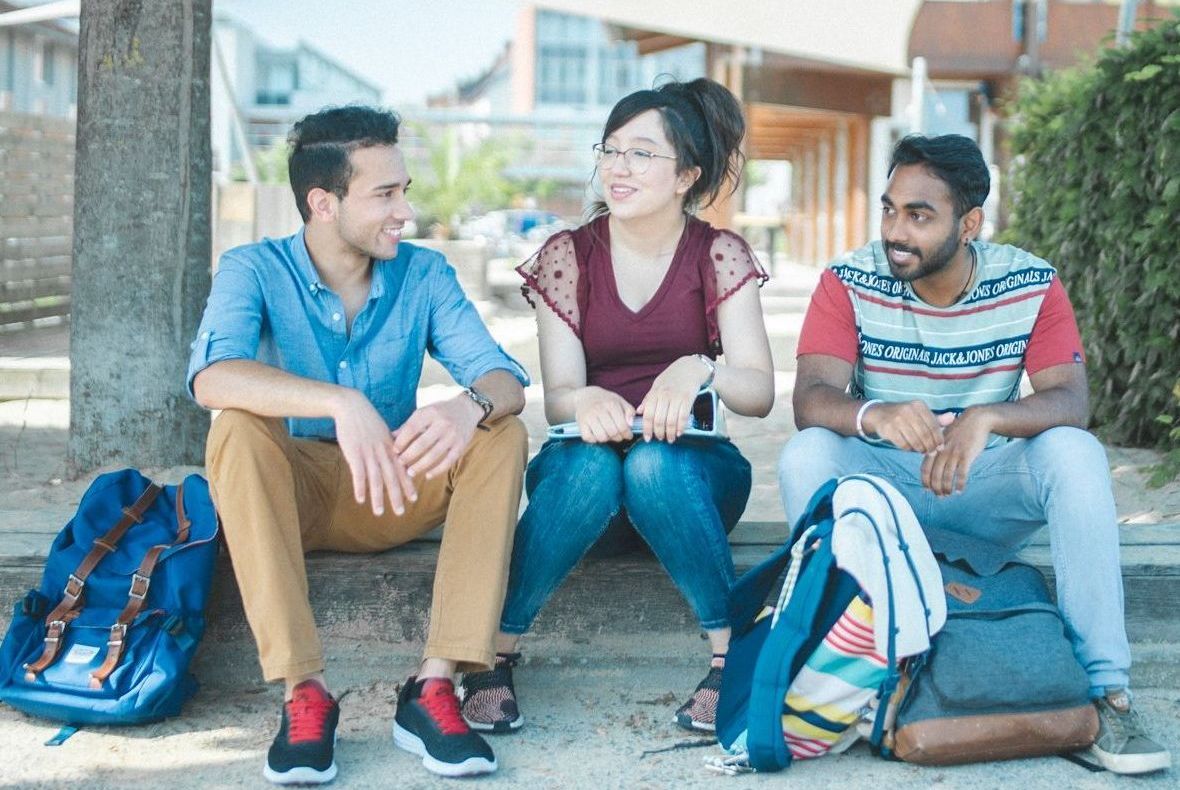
141	580
71	603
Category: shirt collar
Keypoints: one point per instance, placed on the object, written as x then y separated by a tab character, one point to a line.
303	264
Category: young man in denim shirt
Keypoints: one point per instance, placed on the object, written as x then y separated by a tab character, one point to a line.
312	345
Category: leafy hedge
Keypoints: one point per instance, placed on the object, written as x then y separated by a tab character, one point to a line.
1096	175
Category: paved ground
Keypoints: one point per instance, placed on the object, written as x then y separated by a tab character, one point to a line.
590	717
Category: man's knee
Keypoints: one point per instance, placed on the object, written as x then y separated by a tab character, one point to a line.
234	431
1067	453
506	439
810	453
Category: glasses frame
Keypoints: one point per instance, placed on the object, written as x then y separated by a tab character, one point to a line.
605	157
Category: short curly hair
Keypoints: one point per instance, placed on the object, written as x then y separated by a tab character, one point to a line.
953	159
320	145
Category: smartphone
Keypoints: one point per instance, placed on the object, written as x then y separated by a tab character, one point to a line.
707	420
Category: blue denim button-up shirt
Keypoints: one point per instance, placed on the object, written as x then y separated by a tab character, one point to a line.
267	303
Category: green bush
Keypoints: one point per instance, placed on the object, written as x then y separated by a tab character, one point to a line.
1096	180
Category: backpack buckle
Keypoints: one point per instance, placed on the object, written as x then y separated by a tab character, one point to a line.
139	586
74	586
118	634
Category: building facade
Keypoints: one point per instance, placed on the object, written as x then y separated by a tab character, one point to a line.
38	67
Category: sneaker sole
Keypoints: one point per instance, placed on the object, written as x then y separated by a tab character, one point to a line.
693	726
1130	763
497	728
301	775
472	766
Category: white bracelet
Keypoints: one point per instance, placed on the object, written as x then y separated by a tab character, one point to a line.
860	416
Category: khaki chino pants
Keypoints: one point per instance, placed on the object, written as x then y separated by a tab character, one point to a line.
280	497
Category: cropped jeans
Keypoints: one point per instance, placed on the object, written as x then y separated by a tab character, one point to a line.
682	498
1059	478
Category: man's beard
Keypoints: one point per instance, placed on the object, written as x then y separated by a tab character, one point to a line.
927	264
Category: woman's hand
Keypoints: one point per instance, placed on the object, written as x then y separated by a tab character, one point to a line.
602	415
667	406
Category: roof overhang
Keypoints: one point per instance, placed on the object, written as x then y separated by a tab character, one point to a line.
848	33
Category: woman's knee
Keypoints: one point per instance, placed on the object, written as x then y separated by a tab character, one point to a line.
652	467
573	476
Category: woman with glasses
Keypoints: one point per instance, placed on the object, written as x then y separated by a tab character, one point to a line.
635	308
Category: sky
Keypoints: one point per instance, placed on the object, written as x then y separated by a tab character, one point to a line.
410	49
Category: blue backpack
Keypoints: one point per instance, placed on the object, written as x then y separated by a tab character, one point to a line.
108	636
766	653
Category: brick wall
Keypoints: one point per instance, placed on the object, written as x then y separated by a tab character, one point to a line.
36	218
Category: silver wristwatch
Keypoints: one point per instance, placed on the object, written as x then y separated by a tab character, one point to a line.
482	401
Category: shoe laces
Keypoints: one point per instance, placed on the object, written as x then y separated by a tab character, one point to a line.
1125	725
441	704
307	714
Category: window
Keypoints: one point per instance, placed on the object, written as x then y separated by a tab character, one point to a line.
47	64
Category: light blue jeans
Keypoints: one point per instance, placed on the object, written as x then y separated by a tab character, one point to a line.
682	499
1059	478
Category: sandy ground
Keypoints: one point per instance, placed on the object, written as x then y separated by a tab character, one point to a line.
586	726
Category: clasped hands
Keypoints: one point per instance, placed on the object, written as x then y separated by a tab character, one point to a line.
386	463
950	443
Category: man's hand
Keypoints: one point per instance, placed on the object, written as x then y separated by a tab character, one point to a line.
945	471
602	415
908	426
668	404
368	448
434	438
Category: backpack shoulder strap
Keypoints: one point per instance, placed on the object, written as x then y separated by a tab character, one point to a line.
141	580
70	606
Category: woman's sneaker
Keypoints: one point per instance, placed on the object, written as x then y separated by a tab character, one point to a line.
489	698
428	724
1122	745
302	752
699	714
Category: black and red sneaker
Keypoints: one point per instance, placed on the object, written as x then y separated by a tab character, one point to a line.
428	724
302	752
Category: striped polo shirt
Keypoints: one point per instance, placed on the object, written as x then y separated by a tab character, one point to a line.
1015	317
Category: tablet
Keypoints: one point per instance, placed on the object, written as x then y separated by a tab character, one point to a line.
707	421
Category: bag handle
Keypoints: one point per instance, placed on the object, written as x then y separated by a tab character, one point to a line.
141	580
71	605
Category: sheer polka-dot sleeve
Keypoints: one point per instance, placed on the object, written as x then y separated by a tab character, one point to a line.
735	264
552	274
732	265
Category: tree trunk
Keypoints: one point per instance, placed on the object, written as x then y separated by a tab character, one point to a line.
141	231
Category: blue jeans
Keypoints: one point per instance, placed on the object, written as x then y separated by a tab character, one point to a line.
1058	478
681	498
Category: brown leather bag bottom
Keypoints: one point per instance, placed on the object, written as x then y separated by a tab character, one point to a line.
1000	736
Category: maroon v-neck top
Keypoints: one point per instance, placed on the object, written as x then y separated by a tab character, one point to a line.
625	350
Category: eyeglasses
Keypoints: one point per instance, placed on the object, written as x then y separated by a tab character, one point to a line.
637	159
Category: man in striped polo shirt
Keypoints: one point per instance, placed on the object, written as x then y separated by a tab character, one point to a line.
909	367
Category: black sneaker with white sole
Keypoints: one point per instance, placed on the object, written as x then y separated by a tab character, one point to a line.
428	723
303	753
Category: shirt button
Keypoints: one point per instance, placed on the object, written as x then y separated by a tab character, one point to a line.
335	316
343	364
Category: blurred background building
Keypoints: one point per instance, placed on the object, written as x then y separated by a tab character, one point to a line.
504	156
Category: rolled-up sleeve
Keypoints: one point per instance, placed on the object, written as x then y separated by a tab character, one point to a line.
231	325
458	338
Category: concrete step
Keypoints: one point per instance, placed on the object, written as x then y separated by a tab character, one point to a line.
627	608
